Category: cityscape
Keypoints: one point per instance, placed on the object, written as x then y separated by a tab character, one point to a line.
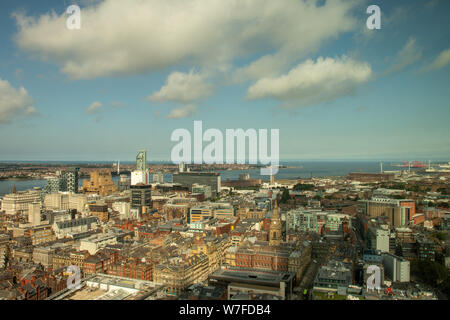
174	233
262	151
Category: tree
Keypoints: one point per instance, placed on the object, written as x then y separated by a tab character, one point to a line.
303	187
285	196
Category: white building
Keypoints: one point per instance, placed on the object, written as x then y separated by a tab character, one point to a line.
158	177
97	242
123	208
57	201
396	268
139	176
379	238
34	213
65	228
17	202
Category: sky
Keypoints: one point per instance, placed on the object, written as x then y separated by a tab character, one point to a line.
137	70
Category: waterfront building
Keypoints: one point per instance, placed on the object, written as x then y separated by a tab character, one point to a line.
141	175
158	177
100	183
124	182
67	181
18	201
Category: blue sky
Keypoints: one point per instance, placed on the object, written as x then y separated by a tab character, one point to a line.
335	89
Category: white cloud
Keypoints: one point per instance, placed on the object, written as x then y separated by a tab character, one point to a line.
408	55
313	82
136	36
183	88
182	112
117	104
14	102
94	107
441	61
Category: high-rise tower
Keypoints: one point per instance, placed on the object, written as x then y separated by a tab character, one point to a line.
141	160
141	174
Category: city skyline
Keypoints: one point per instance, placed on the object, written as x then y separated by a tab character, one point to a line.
94	95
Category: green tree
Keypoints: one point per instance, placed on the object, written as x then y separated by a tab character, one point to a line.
285	196
303	187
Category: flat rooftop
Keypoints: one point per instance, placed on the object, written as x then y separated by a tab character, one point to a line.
251	276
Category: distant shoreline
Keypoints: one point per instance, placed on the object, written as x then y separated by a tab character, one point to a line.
20	179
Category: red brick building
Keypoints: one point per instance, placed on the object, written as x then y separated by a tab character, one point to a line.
132	268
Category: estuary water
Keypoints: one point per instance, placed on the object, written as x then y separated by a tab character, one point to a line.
300	169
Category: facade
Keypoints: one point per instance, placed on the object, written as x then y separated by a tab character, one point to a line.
100	183
140	177
379	238
141	197
67	181
158	177
123	208
18	202
34	213
198	213
141	174
96	242
179	274
56	201
44	256
262	258
315	220
396	268
70	180
399	212
132	269
78	202
40	234
187	179
124	182
425	249
100	211
67	228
